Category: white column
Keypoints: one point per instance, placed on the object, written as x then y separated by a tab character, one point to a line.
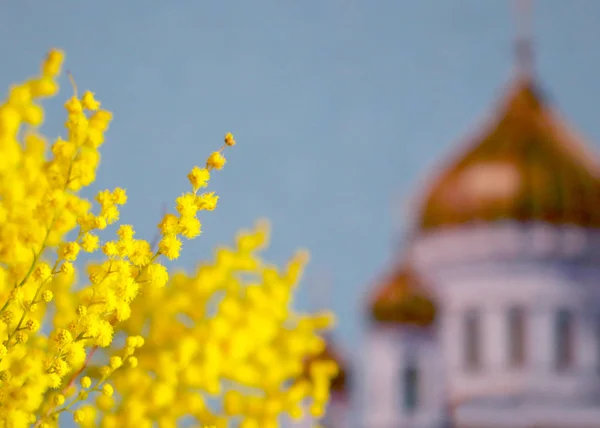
382	361
452	338
495	339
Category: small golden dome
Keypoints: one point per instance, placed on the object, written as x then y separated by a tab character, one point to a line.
339	384
401	299
527	166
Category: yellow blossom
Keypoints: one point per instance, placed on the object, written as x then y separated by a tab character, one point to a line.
119	196
107	390
89	242
229	140
186	205
110	249
81	311
73	105
156	276
105	334
227	330
86	382
170	246
63	337
32	325
141	253
190	227
115	362
69	251
51	67
216	160
169	224
110	214
75	354
207	201
21	337
67	268
99	222
199	178
79	416
7	317
100	120
59	399
42	272
133	362
47	296
125	232
89	102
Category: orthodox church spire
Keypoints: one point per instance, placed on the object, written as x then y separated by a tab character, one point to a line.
524	55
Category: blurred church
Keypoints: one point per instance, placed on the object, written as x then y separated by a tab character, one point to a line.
491	318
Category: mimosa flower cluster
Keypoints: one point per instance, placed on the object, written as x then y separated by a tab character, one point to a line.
121	342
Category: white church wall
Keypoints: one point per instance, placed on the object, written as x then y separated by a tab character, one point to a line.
539	268
391	350
381	361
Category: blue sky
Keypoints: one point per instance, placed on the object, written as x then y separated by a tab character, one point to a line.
340	107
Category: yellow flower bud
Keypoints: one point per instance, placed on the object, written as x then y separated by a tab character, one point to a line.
216	160
67	268
199	178
21	337
89	242
133	362
86	382
89	102
79	416
32	325
47	296
59	400
115	362
53	63
229	140
42	272
68	251
107	390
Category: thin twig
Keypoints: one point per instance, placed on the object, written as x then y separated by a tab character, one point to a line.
87	360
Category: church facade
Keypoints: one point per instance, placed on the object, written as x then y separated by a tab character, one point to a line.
491	316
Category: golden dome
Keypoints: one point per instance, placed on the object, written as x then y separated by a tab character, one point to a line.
401	299
329	353
527	166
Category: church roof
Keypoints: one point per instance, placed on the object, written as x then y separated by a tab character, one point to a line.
526	166
401	298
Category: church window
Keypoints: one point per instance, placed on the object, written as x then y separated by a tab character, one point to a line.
472	340
410	387
516	337
564	339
